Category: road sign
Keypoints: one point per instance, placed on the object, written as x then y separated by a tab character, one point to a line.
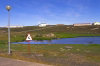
28	38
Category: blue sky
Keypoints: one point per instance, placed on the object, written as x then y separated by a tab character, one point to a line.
32	12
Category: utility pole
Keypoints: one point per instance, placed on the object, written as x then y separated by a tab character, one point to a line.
8	9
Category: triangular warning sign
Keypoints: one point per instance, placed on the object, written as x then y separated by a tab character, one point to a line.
28	37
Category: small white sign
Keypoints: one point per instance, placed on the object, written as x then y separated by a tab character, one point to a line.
28	37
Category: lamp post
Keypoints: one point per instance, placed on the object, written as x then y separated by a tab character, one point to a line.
8	9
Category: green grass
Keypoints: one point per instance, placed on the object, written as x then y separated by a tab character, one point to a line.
58	53
59	49
18	35
66	35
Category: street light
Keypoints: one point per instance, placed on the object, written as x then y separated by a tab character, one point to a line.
8	9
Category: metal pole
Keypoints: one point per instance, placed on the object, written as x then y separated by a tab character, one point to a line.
9	51
29	47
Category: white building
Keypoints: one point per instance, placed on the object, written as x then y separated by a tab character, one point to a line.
83	24
42	25
96	23
15	26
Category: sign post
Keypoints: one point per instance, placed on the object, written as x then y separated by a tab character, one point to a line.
28	39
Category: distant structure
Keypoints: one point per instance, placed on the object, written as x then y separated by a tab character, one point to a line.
82	24
1	27
96	23
15	26
42	25
59	24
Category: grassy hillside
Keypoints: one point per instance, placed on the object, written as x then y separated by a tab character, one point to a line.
37	33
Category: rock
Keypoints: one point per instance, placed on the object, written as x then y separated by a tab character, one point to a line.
49	35
39	54
68	47
62	49
78	49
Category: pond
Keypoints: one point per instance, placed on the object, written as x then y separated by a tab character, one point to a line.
77	40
